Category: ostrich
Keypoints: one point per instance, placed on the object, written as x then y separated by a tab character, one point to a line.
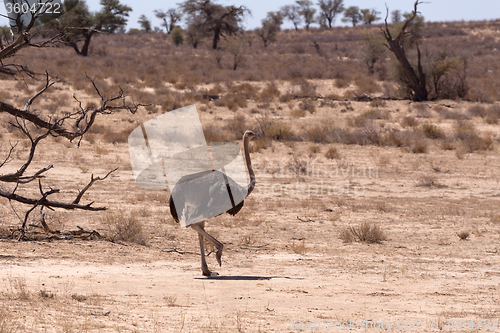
208	190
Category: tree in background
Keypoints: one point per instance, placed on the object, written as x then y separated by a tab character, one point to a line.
329	10
112	16
145	23
270	27
213	18
373	52
352	15
307	11
369	15
396	16
81	25
291	13
235	46
195	32
412	78
170	18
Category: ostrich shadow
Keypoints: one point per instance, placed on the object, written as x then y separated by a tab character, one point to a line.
245	278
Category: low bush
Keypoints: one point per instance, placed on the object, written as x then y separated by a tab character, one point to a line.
432	131
279	131
332	153
365	232
122	228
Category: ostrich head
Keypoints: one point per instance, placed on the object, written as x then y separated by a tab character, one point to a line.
249	134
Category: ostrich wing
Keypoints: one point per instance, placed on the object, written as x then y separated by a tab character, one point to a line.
206	194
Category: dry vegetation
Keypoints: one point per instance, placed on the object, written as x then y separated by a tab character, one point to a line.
360	207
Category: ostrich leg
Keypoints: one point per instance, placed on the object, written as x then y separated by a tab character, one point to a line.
200	228
204	267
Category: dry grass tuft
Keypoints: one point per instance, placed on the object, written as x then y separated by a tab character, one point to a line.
79	298
419	147
448	145
307	105
429	181
126	229
316	134
259	144
299	247
365	233
19	288
268	94
377	103
432	131
455	115
463	235
314	149
298	113
213	134
409	121
460	154
237	126
280	131
471	140
110	136
332	153
493	114
477	110
170	300
44	294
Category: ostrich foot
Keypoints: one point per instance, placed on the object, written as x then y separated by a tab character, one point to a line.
209	273
218	255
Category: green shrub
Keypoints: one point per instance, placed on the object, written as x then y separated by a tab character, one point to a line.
177	37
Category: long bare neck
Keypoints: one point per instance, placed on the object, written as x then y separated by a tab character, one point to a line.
251	185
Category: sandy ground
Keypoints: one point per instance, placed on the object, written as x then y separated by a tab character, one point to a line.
284	267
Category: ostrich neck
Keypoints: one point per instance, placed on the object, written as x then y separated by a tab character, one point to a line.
251	185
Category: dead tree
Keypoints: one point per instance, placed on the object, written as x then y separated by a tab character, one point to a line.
36	128
415	80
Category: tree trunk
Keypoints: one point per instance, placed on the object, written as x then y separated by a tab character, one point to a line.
416	83
86	43
216	38
85	48
75	47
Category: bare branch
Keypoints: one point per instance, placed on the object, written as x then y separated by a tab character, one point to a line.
44	197
92	181
6	160
408	22
47	203
48	84
56	127
14	178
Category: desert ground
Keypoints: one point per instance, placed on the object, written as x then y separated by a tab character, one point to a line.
289	262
